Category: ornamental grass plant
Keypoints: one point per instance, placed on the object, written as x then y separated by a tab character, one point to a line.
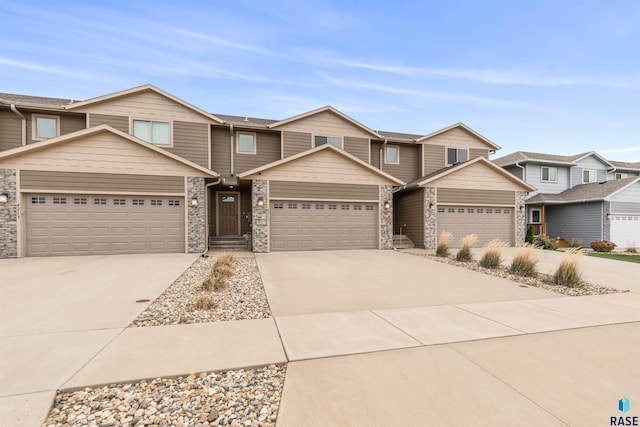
467	243
568	272
442	250
492	256
525	261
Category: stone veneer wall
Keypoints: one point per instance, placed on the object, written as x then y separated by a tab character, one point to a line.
606	223
8	215
260	214
521	218
196	239
386	217
430	223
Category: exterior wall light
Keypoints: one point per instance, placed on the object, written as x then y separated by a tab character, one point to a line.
260	201
194	202
4	198
387	205
430	205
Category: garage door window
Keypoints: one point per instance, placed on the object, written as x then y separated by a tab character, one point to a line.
278	205
99	201
369	207
38	201
80	201
306	206
137	202
333	207
174	202
319	207
59	200
293	206
156	202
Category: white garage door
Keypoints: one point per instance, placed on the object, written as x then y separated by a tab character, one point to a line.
82	224
488	223
625	230
317	225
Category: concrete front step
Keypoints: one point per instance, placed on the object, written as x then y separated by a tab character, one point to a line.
227	243
402	241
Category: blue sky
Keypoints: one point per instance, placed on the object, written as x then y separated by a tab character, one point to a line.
552	76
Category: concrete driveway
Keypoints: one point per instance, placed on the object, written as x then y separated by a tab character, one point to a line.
57	313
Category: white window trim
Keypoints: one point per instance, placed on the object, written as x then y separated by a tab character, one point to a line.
255	142
397	147
589	170
446	153
34	126
313	140
548	180
622	175
539	215
132	119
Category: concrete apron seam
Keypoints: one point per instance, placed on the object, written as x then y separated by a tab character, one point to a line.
398	328
68	331
507	384
533	302
27	393
284	348
490	319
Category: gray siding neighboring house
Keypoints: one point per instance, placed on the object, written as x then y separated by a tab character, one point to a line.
580	222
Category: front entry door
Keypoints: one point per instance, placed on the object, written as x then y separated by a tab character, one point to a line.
228	214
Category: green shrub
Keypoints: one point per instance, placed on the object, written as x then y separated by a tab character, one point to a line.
219	282
442	250
576	243
467	243
206	285
545	242
568	272
602	246
524	262
529	237
493	254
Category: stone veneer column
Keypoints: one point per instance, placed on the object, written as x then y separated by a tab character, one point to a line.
606	223
8	215
430	223
521	218
260	215
196	239
386	217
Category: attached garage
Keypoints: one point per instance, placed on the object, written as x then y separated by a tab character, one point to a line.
89	224
625	230
321	199
319	225
101	191
486	222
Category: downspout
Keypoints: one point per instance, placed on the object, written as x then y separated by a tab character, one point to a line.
231	145
206	213
381	149
24	123
524	171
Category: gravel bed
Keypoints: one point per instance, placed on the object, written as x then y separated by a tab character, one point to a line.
243	299
229	398
541	281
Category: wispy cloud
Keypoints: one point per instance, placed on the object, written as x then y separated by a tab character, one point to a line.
439	96
491	76
219	41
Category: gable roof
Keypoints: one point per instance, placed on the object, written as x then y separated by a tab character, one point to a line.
593	192
33	101
455	168
631	166
143	88
321	110
74	136
529	157
312	151
464	127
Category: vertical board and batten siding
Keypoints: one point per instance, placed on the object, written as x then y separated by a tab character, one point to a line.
99	182
325	123
582	221
478	152
462	196
435	158
295	142
533	176
220	150
267	151
357	147
190	142
117	122
409	210
322	191
589	163
10	130
409	167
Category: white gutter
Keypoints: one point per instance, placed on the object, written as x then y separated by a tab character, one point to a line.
524	171
24	123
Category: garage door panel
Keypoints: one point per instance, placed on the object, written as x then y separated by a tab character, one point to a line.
102	225
488	223
625	230
316	225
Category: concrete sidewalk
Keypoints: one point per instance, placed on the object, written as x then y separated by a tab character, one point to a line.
572	377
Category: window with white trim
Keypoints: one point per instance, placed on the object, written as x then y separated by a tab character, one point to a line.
589	176
392	154
620	175
333	140
158	133
548	174
457	155
45	127
246	143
